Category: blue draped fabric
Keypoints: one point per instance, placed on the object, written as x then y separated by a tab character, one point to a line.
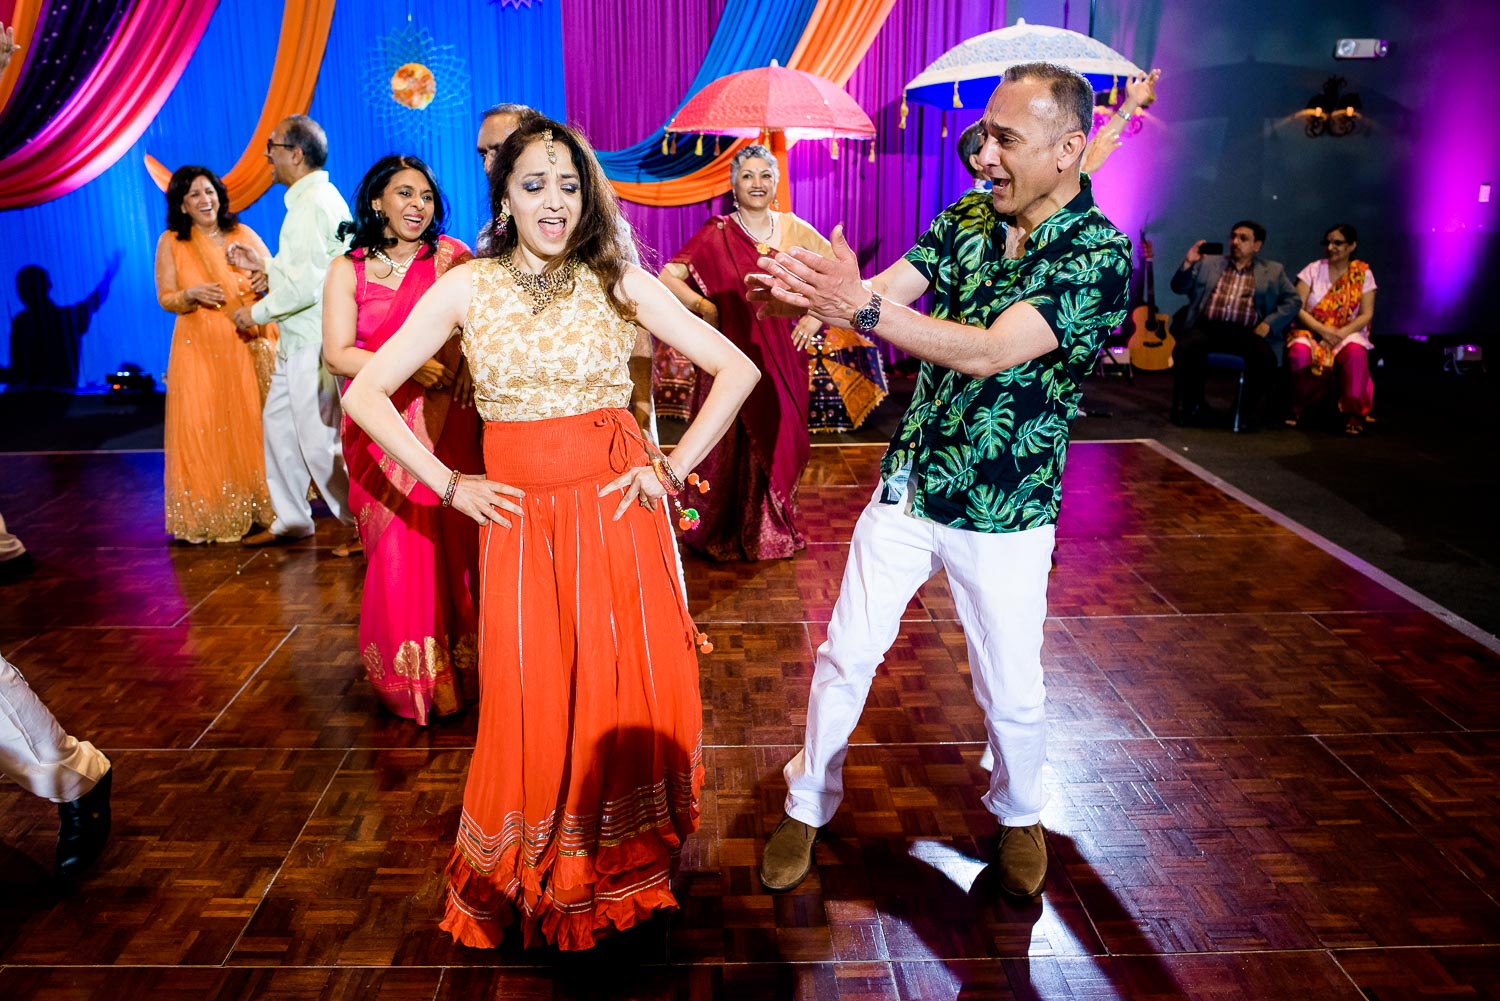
71	37
750	34
510	54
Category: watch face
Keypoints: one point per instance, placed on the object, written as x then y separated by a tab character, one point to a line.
865	318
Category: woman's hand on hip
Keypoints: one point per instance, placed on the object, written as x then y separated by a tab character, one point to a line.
483	499
640	485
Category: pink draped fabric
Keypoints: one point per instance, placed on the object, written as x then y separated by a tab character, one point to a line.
112	107
417	619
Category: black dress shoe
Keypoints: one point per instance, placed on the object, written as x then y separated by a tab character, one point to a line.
83	828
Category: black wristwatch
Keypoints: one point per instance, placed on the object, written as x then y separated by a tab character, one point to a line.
867	316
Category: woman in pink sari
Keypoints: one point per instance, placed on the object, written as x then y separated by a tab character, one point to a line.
751	512
417	622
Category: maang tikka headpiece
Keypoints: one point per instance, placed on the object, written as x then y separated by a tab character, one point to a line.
547	145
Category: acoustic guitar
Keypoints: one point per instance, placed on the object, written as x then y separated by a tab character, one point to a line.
1151	340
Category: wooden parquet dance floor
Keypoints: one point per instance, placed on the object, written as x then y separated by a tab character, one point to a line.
1272	776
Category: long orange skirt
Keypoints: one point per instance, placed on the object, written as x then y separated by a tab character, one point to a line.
589	757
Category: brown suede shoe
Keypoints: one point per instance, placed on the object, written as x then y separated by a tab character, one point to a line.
789	855
1023	860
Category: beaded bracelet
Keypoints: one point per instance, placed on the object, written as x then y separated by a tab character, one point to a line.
452	486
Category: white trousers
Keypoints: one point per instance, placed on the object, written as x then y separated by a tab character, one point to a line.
35	751
999	583
302	442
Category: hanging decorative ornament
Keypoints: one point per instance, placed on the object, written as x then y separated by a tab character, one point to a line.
904	109
415	86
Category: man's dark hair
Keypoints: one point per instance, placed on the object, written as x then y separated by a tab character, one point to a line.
180	222
970	142
1256	229
1073	95
308	136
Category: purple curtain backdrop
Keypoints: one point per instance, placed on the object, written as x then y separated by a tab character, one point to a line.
70	39
619	96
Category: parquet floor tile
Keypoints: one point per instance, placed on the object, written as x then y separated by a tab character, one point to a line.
1390	974
288	586
174	681
217	984
363	886
114	587
1128	978
198	838
1234	574
313	693
1271	777
1446	785
1256	844
802	588
1244	675
1433	660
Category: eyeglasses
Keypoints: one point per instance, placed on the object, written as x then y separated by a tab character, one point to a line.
270	143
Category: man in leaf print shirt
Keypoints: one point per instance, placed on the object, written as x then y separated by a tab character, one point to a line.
1025	286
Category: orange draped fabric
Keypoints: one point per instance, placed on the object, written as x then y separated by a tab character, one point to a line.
304	36
838	35
24	25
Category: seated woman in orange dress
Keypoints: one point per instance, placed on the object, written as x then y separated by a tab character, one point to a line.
588	758
215	466
417	624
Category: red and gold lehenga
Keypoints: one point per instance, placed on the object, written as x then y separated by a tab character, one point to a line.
751	513
588	759
417	618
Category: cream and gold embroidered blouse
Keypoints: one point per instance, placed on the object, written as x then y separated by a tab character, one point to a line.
571	358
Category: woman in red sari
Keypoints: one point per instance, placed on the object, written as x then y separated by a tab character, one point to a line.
1330	343
751	513
417	622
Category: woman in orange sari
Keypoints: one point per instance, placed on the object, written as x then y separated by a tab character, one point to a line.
417	619
215	466
588	760
1330	341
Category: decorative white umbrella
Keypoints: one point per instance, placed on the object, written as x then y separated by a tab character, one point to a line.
966	75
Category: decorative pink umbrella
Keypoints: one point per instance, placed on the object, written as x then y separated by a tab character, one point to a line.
788	104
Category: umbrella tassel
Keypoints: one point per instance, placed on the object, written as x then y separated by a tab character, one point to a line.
666	148
903	110
872	150
1114	91
716	145
956	102
833	148
674	145
698	149
945	125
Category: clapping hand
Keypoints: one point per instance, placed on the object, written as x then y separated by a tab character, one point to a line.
242	318
259	283
1140	89
244	257
8	46
829	289
210	294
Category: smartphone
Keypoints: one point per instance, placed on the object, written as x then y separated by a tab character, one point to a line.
1212	250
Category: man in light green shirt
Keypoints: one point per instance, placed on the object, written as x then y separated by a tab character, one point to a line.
302	413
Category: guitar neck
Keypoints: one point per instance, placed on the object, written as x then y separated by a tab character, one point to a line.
1150	287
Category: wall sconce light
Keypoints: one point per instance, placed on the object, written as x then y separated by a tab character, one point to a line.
1333	110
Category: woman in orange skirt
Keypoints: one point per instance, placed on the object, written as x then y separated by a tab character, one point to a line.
588	759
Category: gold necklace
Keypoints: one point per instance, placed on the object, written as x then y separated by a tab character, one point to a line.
763	246
399	270
545	288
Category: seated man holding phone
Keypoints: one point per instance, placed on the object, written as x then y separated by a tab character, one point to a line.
1235	305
